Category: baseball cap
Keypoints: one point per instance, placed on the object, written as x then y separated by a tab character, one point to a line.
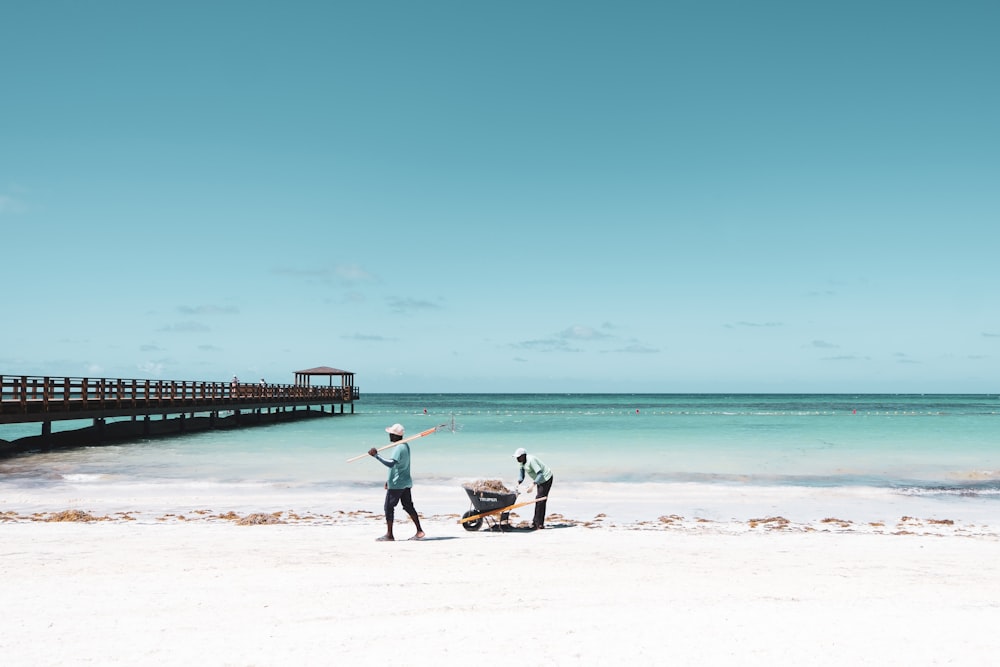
520	451
395	429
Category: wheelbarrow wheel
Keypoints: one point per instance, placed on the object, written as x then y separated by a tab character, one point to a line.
472	525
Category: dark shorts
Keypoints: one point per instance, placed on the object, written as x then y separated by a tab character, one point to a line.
393	498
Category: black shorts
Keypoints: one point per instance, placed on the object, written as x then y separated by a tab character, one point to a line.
393	497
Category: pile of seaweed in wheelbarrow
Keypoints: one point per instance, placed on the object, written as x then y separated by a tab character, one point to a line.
491	504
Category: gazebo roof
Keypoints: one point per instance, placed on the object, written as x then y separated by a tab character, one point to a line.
323	370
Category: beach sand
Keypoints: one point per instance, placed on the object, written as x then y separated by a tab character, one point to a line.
204	590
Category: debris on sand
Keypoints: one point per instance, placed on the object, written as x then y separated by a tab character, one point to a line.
73	515
488	486
260	519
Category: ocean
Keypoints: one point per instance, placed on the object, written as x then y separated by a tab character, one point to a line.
626	457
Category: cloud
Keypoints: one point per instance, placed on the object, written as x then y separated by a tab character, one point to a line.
578	332
564	341
301	273
209	348
545	345
150	348
208	310
354	297
352	274
753	325
637	348
846	357
368	338
401	305
10	206
184	327
990	334
823	345
150	368
346	275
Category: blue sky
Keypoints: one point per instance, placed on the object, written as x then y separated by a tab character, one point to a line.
513	197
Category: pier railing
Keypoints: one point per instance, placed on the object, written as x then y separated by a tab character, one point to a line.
35	398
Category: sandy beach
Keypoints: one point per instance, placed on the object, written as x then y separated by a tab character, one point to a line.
208	591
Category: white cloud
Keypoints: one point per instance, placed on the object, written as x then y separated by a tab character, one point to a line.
368	338
10	206
208	310
578	332
352	273
185	327
398	304
638	348
150	368
753	324
544	345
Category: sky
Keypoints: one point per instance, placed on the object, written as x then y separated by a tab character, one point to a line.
565	196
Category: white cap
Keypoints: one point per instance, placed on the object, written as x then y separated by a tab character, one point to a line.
520	451
395	429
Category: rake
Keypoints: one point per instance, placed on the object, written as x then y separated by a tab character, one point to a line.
447	426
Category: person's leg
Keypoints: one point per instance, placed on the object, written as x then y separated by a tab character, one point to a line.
407	498
542	491
391	498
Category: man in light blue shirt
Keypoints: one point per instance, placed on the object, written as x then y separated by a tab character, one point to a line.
542	476
399	483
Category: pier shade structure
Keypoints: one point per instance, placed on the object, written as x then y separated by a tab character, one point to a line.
108	410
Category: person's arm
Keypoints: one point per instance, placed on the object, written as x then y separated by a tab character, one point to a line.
520	476
388	463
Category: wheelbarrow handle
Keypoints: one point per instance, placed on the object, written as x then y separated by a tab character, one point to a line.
500	510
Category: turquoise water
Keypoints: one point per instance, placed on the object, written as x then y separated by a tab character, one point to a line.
928	445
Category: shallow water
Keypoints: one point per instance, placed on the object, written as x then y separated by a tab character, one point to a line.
718	455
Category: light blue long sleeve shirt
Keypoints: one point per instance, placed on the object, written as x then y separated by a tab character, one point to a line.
399	467
537	470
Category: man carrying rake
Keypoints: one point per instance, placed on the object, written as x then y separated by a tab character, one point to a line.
399	483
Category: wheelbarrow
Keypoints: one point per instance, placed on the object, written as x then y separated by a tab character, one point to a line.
491	507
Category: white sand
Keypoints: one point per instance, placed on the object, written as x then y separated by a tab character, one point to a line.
210	592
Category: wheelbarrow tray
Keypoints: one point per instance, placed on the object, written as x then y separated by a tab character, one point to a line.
490	501
492	507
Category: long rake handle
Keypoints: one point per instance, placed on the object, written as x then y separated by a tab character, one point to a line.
399	442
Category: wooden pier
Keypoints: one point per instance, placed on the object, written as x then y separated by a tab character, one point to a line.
125	409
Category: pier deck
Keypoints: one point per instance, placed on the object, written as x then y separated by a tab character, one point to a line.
44	400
